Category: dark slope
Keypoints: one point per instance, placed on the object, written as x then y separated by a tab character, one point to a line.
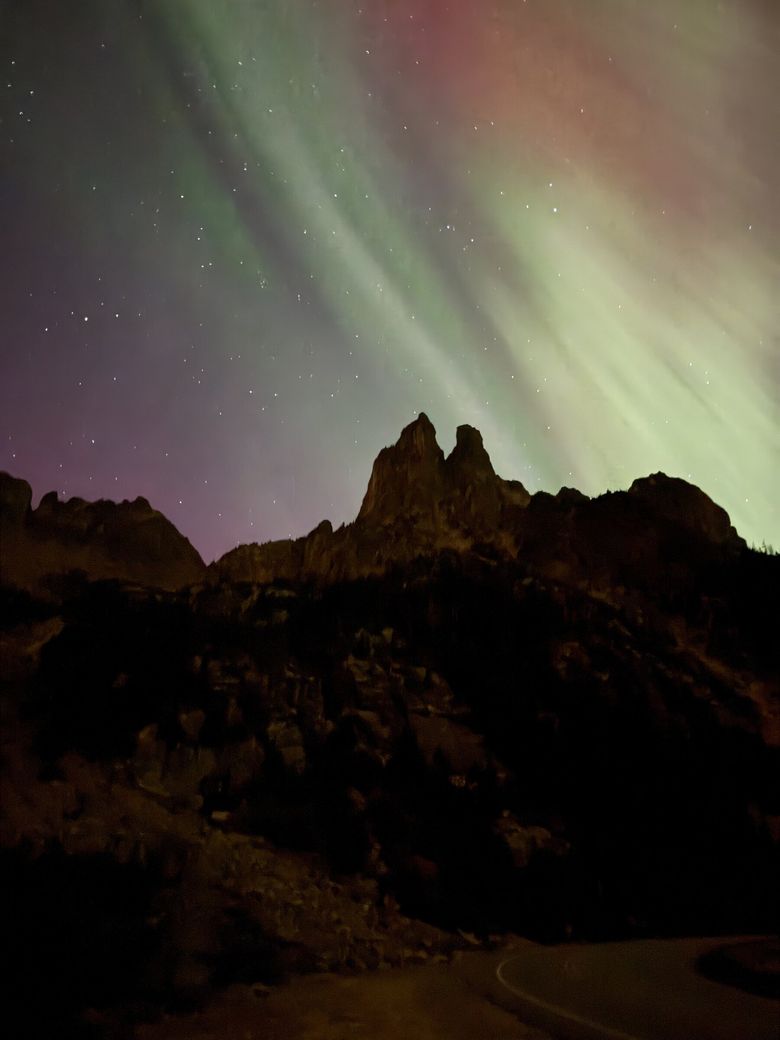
127	540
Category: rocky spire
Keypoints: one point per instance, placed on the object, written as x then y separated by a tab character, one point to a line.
418	439
407	478
468	462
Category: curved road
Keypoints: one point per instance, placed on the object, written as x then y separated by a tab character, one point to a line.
641	990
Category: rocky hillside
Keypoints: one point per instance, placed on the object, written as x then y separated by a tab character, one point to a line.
662	531
129	541
468	713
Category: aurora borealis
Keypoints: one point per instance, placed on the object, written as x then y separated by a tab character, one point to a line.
246	242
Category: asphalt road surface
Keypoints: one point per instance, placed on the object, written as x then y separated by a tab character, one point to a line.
641	990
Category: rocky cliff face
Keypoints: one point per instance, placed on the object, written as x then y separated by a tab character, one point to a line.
419	503
128	541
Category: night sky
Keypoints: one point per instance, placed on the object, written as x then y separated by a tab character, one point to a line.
245	242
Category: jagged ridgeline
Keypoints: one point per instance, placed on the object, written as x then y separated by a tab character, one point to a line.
472	708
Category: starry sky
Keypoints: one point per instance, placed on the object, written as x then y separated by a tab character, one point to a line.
245	242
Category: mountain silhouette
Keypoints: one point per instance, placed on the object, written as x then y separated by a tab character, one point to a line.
471	711
418	503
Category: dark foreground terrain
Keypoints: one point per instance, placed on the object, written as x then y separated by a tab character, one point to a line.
469	714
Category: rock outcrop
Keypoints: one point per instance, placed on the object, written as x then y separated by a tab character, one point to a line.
407	479
129	541
417	503
661	532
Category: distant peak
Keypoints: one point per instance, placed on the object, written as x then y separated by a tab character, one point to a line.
684	503
466	434
406	474
419	436
468	459
468	442
15	497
